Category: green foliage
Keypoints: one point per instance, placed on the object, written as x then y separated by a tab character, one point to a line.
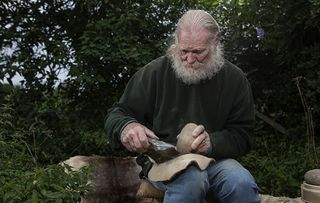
22	177
309	62
49	184
279	162
6	119
35	46
287	48
48	127
275	42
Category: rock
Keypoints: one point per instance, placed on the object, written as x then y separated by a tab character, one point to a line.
312	177
272	199
185	138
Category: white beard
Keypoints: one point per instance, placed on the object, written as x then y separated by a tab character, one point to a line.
194	73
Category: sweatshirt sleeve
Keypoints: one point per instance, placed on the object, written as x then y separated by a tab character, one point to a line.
135	105
235	139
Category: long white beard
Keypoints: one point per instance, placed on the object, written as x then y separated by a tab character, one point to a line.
194	73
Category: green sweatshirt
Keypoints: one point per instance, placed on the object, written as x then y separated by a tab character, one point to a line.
156	98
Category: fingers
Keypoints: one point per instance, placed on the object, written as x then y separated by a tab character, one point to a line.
196	143
143	139
198	130
135	137
199	134
204	147
136	143
202	143
151	134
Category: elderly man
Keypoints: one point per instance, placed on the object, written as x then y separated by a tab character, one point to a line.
192	83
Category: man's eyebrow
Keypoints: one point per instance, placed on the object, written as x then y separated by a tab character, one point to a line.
198	50
193	50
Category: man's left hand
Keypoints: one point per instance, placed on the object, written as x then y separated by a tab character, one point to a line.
202	143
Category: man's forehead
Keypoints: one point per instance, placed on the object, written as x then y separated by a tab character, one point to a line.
197	37
194	31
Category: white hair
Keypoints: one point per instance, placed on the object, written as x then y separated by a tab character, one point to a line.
197	19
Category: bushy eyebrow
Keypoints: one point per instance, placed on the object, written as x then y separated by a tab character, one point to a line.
195	51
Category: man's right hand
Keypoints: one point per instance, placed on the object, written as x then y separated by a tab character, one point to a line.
135	137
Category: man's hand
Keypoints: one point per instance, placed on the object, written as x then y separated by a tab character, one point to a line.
135	137
201	144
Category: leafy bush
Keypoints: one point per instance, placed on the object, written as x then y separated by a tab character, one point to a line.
276	42
23	178
42	184
279	161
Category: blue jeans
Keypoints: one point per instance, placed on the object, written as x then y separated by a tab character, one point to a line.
226	180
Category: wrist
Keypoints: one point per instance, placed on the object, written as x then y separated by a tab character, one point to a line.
122	130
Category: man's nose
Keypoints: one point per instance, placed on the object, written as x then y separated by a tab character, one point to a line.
191	58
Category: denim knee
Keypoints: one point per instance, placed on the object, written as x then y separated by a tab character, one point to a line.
189	186
231	182
239	179
195	178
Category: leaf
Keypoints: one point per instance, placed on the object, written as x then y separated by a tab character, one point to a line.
34	197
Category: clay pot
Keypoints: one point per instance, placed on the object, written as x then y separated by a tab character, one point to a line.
310	188
185	139
310	193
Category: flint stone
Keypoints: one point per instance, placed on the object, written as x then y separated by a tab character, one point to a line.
185	139
312	177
